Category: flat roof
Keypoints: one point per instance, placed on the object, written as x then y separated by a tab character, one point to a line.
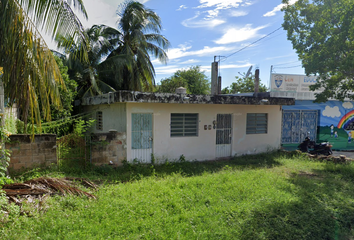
149	97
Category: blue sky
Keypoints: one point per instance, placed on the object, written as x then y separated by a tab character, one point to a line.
201	29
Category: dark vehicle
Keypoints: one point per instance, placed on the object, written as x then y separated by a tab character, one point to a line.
313	148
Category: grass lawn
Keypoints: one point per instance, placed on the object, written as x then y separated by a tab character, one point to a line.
266	196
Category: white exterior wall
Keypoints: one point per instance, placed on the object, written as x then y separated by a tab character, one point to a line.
113	117
203	146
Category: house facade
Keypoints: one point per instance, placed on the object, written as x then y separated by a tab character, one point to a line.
331	121
196	127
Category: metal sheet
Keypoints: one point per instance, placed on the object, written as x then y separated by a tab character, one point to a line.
297	124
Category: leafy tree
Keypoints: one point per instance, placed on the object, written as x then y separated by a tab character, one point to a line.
138	36
322	33
30	73
67	93
169	85
243	85
193	79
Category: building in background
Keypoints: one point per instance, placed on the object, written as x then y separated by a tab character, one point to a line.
331	121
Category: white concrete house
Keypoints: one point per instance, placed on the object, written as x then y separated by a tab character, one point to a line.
199	127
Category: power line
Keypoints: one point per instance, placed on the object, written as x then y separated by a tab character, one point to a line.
288	67
285	63
252	43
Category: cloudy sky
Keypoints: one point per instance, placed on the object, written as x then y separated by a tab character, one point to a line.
201	29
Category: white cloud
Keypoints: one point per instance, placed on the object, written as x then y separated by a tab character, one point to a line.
194	23
181	7
182	51
331	112
95	8
235	66
171	69
238	13
278	8
190	61
347	105
220	4
233	35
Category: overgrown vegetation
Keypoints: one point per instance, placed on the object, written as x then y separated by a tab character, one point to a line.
4	153
267	196
72	150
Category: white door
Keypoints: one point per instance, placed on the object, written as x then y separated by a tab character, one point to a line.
223	135
142	137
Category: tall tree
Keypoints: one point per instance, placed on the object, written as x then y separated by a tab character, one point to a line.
139	29
30	71
243	85
67	93
102	40
322	33
193	79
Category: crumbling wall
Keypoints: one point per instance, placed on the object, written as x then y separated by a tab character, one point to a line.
26	153
108	148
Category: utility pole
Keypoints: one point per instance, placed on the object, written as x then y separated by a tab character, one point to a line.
270	77
256	81
214	77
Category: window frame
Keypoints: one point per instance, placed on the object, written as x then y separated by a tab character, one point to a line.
184	123
255	123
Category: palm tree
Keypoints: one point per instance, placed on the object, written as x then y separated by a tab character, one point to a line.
139	35
30	73
86	73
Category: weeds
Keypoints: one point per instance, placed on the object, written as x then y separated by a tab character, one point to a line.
266	196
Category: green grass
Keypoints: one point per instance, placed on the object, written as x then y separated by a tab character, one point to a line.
267	196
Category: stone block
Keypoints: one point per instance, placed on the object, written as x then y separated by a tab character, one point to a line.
14	145
14	160
47	145
15	152
20	138
39	159
25	146
18	166
111	147
25	158
25	153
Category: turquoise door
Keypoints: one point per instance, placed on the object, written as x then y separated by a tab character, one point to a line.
142	138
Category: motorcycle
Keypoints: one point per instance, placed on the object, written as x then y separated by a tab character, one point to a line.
324	148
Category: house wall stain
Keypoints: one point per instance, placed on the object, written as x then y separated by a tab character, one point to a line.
143	97
108	147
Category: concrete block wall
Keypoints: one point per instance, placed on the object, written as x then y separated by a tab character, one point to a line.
26	153
106	147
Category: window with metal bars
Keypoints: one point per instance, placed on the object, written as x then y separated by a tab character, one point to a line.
184	124
99	120
257	123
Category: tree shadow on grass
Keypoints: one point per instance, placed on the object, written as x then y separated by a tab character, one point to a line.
322	208
129	172
136	171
